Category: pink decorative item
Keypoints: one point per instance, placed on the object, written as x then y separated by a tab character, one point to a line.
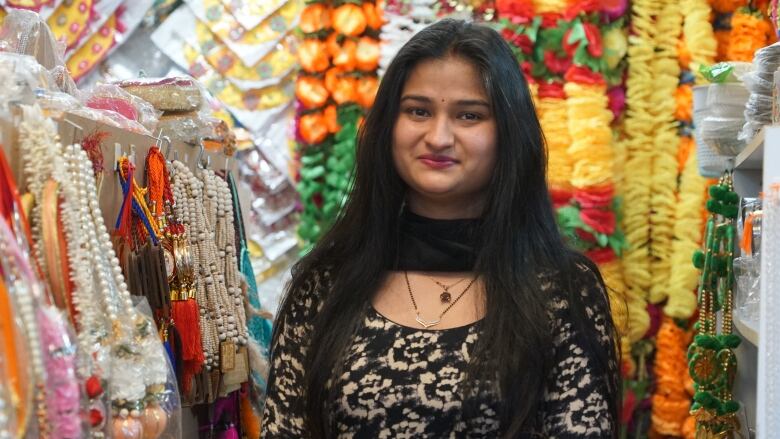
62	397
117	105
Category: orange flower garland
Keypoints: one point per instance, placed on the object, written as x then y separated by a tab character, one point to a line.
749	32
671	402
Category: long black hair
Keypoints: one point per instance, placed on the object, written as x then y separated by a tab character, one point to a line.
518	240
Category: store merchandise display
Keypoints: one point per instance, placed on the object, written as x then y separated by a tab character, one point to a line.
636	117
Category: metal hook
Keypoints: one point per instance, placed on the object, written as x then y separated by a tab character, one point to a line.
75	128
168	144
198	162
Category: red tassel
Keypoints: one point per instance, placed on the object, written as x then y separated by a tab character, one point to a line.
185	316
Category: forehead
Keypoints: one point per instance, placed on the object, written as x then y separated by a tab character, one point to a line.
446	78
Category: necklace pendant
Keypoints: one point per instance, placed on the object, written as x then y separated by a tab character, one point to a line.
445	297
427	323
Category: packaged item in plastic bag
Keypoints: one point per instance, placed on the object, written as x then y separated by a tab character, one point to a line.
112	98
166	94
727	99
186	127
250	13
251	45
720	134
114	32
747	299
24	32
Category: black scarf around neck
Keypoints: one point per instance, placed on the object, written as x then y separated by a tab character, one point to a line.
427	244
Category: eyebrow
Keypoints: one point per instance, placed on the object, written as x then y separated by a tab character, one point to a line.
463	102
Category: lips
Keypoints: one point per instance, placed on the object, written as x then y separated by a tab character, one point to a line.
436	161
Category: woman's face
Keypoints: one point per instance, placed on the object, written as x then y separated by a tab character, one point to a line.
444	140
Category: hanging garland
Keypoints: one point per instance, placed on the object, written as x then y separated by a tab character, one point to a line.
671	399
712	362
339	57
750	31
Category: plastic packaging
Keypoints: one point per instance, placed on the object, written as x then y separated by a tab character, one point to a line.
758	109
110	97
166	94
727	99
251	45
250	13
24	32
186	127
711	165
720	134
747	271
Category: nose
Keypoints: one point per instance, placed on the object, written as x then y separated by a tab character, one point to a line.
440	135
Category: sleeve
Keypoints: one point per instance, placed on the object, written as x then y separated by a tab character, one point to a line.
283	414
576	397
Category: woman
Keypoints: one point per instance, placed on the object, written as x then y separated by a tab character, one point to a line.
443	301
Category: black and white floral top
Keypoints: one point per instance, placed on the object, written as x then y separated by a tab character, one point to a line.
402	382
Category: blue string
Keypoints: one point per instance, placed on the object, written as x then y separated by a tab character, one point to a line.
137	209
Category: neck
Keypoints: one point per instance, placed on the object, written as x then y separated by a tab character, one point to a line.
445	209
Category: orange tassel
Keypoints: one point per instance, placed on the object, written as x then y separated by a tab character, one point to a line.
186	318
250	419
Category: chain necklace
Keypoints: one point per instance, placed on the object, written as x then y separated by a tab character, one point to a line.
445	296
429	323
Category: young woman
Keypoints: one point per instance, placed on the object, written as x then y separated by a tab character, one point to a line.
443	302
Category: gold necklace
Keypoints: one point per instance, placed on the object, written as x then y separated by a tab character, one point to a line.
429	323
445	296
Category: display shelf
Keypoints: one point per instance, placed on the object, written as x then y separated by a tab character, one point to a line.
748	333
752	157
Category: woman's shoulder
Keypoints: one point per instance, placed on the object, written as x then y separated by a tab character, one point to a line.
305	292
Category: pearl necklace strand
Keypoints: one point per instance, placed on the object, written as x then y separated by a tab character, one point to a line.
23	298
139	354
222	216
187	192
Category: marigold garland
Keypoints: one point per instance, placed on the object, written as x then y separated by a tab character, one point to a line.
749	32
664	173
638	129
553	117
671	402
684	278
698	36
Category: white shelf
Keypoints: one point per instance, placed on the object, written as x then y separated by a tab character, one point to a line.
748	333
752	157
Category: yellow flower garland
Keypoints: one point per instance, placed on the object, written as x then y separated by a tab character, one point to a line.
638	145
699	36
664	179
590	150
553	117
687	234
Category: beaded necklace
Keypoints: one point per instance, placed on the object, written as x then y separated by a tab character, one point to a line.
712	362
187	191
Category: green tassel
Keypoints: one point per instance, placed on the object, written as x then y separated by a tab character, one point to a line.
730	341
729	407
698	259
714	206
716	191
729	211
707	400
731	198
707	342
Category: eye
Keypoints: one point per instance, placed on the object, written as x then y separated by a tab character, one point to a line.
470	116
417	112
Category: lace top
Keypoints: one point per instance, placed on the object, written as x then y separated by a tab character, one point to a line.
402	382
